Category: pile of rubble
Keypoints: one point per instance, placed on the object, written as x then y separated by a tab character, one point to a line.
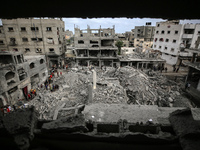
144	90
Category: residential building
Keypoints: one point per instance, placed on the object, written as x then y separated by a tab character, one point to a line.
171	38
143	36
35	37
130	37
95	47
19	75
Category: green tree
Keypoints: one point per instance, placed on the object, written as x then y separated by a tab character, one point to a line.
119	44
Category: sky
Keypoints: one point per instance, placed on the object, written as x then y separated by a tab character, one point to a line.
121	24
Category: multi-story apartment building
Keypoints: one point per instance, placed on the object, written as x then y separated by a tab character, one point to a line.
122	37
34	37
171	38
19	74
143	36
95	47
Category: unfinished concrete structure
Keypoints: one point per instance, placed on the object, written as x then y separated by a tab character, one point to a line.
18	76
34	37
95	47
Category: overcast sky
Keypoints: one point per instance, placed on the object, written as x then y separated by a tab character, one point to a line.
121	24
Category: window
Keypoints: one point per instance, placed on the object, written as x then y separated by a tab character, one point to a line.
50	40
167	40
198	32
162	32
138	40
80	42
39	39
51	50
174	41
34	28
157	32
34	39
154	46
10	29
132	38
158	25
23	29
161	39
12	39
0	31
15	49
27	50
160	46
176	32
38	50
32	65
165	48
172	49
25	39
138	35
43	74
1	42
168	32
49	29
41	61
155	39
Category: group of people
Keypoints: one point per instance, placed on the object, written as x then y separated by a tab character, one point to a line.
160	68
32	94
7	109
175	69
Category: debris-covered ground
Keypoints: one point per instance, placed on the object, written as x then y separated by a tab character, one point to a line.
124	85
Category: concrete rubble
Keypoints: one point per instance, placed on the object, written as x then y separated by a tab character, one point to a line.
114	86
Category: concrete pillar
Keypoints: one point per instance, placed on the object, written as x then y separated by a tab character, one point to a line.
142	65
198	86
94	79
90	93
88	63
112	63
137	65
100	63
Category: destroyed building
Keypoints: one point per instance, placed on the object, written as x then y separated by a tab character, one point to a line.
34	37
172	38
18	75
95	47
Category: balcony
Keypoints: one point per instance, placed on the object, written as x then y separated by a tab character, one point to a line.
187	36
189	26
185	54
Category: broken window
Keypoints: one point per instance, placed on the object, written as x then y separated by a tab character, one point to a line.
165	48
168	32
32	65
80	42
51	50
160	46
0	31
157	32
9	75
162	32
158	25
27	50
15	49
198	32
93	42
138	40
188	31
10	29
19	59
167	40
23	29
38	50
138	35
138	30
48	29
174	41
1	42
176	32
161	39
39	39
172	49
43	74
12	82
34	39
25	39
41	61
34	28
